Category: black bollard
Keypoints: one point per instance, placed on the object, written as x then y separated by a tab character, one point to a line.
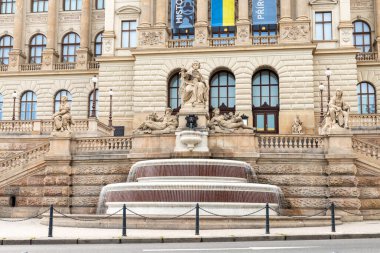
197	219
124	220
51	222
333	217
267	219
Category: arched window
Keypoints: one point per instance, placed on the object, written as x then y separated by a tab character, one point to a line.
362	36
72	5
6	45
265	101
222	91
174	100
40	5
98	44
28	110
90	103
70	44
7	6
1	106
366	98
37	45
58	96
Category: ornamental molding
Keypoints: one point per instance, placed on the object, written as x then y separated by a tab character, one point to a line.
129	9
201	36
151	38
42	18
6	20
297	32
362	4
69	17
322	2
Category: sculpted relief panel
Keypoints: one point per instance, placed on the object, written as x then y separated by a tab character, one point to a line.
362	4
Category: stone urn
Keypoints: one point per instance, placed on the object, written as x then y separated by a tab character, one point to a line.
190	139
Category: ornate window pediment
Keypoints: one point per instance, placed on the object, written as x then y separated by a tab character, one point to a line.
128	10
322	2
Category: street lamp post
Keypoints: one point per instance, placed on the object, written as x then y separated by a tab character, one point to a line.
94	81
14	96
321	89
110	116
328	73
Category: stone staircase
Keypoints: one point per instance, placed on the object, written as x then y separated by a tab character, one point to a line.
22	164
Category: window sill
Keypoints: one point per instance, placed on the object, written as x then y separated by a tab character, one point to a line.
324	41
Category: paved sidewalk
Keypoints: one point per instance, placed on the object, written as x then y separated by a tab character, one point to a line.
32	232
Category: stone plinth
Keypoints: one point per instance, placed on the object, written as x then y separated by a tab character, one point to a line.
16	59
49	58
233	145
199	110
152	146
60	146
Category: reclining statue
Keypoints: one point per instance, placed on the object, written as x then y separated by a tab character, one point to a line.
227	123
155	125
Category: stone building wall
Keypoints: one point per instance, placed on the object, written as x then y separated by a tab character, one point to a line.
368	73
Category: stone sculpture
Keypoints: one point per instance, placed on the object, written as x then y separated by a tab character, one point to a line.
337	113
193	89
227	123
297	127
155	125
62	120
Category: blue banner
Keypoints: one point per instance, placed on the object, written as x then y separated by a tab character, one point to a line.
264	12
182	14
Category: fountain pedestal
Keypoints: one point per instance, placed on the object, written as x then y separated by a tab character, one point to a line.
191	141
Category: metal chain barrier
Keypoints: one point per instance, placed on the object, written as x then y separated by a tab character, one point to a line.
25	219
169	218
231	216
77	219
301	216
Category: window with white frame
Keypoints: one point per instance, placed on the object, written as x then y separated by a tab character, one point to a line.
128	34
323	26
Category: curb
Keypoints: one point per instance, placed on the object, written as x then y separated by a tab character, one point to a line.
197	239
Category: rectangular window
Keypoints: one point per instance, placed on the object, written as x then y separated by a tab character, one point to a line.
323	26
129	34
7	6
100	4
72	5
40	5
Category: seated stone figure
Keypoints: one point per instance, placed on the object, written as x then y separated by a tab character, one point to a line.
337	113
297	126
155	125
227	123
62	119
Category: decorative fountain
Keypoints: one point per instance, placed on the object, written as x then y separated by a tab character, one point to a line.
173	186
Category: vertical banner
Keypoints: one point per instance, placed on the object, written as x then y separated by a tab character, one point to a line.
182	14
264	12
222	13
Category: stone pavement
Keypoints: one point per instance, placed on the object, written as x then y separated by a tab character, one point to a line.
32	232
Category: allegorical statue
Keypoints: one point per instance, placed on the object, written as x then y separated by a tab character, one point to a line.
227	123
337	113
193	89
155	125
62	119
297	127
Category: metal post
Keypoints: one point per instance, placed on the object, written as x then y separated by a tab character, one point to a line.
124	220
197	219
14	109
267	219
51	222
321	118
328	88
110	116
93	113
333	217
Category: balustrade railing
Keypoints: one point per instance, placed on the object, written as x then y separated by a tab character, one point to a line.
17	126
364	120
222	42
104	144
65	66
365	148
30	67
370	56
180	43
291	144
93	65
265	40
3	68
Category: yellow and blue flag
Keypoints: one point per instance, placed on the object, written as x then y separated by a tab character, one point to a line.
222	12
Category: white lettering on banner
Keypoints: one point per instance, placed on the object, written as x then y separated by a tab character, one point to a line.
260	9
179	11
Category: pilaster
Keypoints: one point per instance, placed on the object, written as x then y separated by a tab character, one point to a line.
49	58
243	37
16	58
201	35
83	57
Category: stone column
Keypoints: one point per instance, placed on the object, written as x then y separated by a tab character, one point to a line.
16	57
50	55
286	10
145	20
302	10
161	13
377	11
201	27
345	25
243	24
109	30
84	53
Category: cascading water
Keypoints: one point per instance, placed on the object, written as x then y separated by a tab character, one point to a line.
173	186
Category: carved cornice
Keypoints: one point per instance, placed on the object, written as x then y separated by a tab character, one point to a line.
128	10
323	2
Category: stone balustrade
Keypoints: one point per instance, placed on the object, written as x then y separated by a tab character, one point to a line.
30	67
365	148
364	120
93	65
222	42
105	144
3	68
265	40
181	43
368	56
45	127
291	144
65	66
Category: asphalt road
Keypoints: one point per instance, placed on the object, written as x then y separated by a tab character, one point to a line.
328	246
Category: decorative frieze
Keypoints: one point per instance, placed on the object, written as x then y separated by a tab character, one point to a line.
152	38
295	32
362	4
70	17
40	18
5	20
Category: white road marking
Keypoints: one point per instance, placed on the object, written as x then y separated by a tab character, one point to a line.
230	249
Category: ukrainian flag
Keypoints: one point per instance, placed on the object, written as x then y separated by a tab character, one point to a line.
222	12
